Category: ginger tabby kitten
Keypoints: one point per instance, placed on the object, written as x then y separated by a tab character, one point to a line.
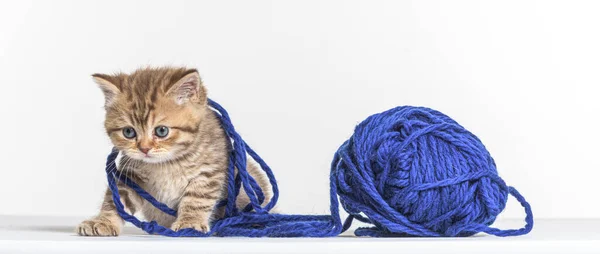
171	144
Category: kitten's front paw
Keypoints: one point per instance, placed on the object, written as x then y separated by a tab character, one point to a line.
187	223
98	227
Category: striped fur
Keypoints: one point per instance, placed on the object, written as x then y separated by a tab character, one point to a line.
186	169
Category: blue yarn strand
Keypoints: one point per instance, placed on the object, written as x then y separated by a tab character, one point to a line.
408	171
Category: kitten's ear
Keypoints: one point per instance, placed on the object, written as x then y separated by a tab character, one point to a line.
108	85
188	88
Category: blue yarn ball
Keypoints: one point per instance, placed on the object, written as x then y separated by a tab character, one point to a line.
415	171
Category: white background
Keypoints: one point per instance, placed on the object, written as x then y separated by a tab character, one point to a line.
296	78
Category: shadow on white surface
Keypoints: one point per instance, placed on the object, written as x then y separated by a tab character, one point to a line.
29	234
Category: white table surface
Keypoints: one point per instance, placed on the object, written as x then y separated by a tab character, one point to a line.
22	234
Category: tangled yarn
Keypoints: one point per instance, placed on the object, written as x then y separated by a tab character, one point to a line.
408	171
414	171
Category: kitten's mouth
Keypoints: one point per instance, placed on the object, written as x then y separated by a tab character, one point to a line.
148	158
153	159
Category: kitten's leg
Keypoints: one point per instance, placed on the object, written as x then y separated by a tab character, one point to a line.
198	201
242	199
108	222
263	181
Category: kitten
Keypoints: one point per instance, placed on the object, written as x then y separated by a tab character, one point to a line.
172	145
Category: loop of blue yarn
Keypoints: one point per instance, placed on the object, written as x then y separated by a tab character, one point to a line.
408	171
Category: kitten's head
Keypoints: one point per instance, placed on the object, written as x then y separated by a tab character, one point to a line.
153	114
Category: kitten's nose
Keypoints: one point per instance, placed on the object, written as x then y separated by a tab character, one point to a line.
144	150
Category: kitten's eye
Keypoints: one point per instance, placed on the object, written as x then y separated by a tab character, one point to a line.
161	131
129	132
